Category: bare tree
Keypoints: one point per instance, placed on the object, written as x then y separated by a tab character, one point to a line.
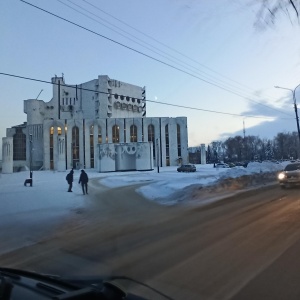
251	148
269	11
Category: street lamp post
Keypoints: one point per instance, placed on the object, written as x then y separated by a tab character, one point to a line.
30	158
157	155
295	105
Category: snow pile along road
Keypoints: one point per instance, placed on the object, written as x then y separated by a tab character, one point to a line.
168	186
255	174
230	182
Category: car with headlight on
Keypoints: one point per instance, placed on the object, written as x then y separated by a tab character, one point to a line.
290	176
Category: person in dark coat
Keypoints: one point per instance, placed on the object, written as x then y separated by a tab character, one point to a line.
69	179
84	179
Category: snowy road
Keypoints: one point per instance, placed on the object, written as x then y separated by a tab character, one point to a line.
243	247
30	214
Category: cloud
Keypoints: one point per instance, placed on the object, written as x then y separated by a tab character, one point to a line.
283	119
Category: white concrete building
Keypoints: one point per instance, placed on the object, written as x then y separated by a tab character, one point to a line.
81	122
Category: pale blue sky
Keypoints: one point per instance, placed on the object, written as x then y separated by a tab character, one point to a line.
217	38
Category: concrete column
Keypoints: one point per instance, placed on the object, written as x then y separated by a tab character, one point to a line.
203	154
61	162
144	157
7	155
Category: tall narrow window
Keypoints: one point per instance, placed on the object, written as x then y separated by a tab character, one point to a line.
115	134
59	130
99	135
167	145
92	146
19	145
51	148
75	146
124	131
178	141
151	137
133	133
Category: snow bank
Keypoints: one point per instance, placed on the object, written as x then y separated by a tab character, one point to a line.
165	186
253	168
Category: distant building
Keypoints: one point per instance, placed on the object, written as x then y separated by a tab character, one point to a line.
72	129
197	155
194	155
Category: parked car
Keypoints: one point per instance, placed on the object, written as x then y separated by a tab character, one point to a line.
290	176
242	164
222	165
187	168
231	165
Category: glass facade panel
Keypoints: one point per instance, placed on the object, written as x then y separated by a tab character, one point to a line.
19	145
151	138
178	141
99	135
75	146
133	133
51	149
115	134
92	146
167	145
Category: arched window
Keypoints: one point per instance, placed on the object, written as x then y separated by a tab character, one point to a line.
92	146
59	130
178	141
133	133
99	135
151	137
115	134
75	146
19	145
167	145
51	149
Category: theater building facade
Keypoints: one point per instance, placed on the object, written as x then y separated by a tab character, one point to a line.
99	124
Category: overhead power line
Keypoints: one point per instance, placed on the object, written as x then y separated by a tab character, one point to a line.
146	100
153	58
165	45
150	47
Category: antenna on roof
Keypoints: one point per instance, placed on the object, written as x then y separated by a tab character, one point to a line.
38	94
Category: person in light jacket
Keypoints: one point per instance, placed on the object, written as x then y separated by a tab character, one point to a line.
84	179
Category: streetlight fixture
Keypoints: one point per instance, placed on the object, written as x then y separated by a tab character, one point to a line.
30	152
295	104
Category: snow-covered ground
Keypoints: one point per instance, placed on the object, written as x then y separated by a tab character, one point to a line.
27	214
158	186
50	187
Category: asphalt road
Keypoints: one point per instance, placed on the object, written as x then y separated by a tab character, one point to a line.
243	247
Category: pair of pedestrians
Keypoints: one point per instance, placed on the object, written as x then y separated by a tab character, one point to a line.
83	179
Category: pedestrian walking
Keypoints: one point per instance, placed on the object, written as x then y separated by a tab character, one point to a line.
84	179
69	179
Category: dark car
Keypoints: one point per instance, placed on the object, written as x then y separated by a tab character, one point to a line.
222	165
187	168
290	176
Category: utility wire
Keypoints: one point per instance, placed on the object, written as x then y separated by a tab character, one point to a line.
153	58
141	99
197	70
190	67
165	45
